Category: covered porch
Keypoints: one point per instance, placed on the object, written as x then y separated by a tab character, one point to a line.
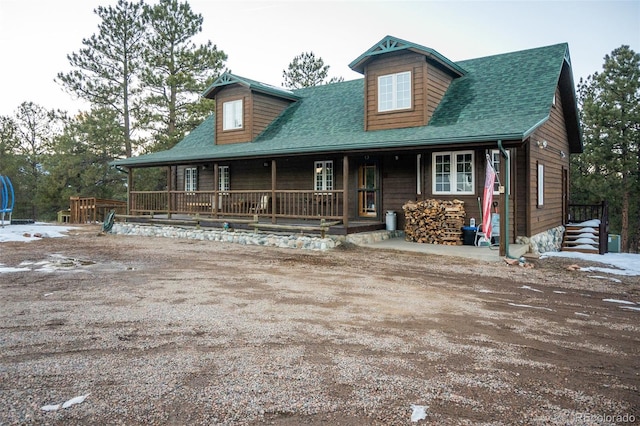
263	197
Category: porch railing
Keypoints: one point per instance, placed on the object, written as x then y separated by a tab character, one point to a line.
583	212
296	204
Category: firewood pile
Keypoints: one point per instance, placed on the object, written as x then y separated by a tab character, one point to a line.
434	221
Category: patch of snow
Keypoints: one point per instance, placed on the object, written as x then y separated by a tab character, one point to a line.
627	264
8	269
526	287
559	292
482	290
528	306
631	308
592	222
586	247
26	233
419	412
73	401
581	314
585	240
600	277
50	407
588	230
586	235
625	302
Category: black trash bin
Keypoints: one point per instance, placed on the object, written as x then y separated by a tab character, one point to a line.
469	235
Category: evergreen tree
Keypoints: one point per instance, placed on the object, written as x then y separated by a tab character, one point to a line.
35	130
104	71
610	164
8	144
176	71
79	165
305	71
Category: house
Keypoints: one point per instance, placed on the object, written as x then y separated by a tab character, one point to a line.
416	126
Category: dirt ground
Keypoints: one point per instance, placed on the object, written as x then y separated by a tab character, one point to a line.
164	331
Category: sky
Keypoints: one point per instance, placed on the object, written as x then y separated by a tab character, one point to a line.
262	37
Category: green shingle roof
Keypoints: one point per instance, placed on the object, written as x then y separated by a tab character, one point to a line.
500	97
227	79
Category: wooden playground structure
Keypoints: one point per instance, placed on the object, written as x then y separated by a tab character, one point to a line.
90	210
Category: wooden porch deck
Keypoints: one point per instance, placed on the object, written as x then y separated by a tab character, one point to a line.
264	223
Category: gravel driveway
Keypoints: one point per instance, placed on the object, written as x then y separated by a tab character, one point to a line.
166	331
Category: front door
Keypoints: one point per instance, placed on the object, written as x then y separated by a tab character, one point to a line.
368	202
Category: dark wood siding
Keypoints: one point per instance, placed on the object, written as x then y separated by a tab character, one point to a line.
265	110
428	83
259	110
437	84
398	183
237	135
521	181
471	204
205	177
554	132
391	64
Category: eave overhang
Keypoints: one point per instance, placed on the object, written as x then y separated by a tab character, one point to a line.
228	79
393	44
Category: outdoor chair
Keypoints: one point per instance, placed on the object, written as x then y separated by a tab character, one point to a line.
262	207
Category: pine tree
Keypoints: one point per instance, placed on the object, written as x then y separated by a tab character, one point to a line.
610	164
35	130
105	69
176	71
305	71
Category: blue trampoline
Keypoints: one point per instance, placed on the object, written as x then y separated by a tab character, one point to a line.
7	199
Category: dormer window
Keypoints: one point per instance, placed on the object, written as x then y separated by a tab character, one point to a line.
232	115
394	91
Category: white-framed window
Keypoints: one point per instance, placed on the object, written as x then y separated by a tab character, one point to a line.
191	179
323	175
394	91
223	178
540	200
495	162
453	172
232	115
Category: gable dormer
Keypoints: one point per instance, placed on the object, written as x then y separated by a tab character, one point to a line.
404	83
244	107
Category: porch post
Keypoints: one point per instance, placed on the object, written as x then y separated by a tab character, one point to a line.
169	204
504	211
345	192
129	189
216	187
273	191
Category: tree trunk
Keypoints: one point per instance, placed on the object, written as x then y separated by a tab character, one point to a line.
624	234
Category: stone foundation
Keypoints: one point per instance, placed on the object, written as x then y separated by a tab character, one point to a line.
543	242
296	241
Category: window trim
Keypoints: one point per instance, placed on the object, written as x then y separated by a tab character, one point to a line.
327	179
453	175
540	185
231	106
190	179
394	93
224	179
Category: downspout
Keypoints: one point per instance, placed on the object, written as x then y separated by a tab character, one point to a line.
505	157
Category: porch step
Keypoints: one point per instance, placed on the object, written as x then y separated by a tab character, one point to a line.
582	239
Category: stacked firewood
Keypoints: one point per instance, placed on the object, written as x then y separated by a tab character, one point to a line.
434	221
